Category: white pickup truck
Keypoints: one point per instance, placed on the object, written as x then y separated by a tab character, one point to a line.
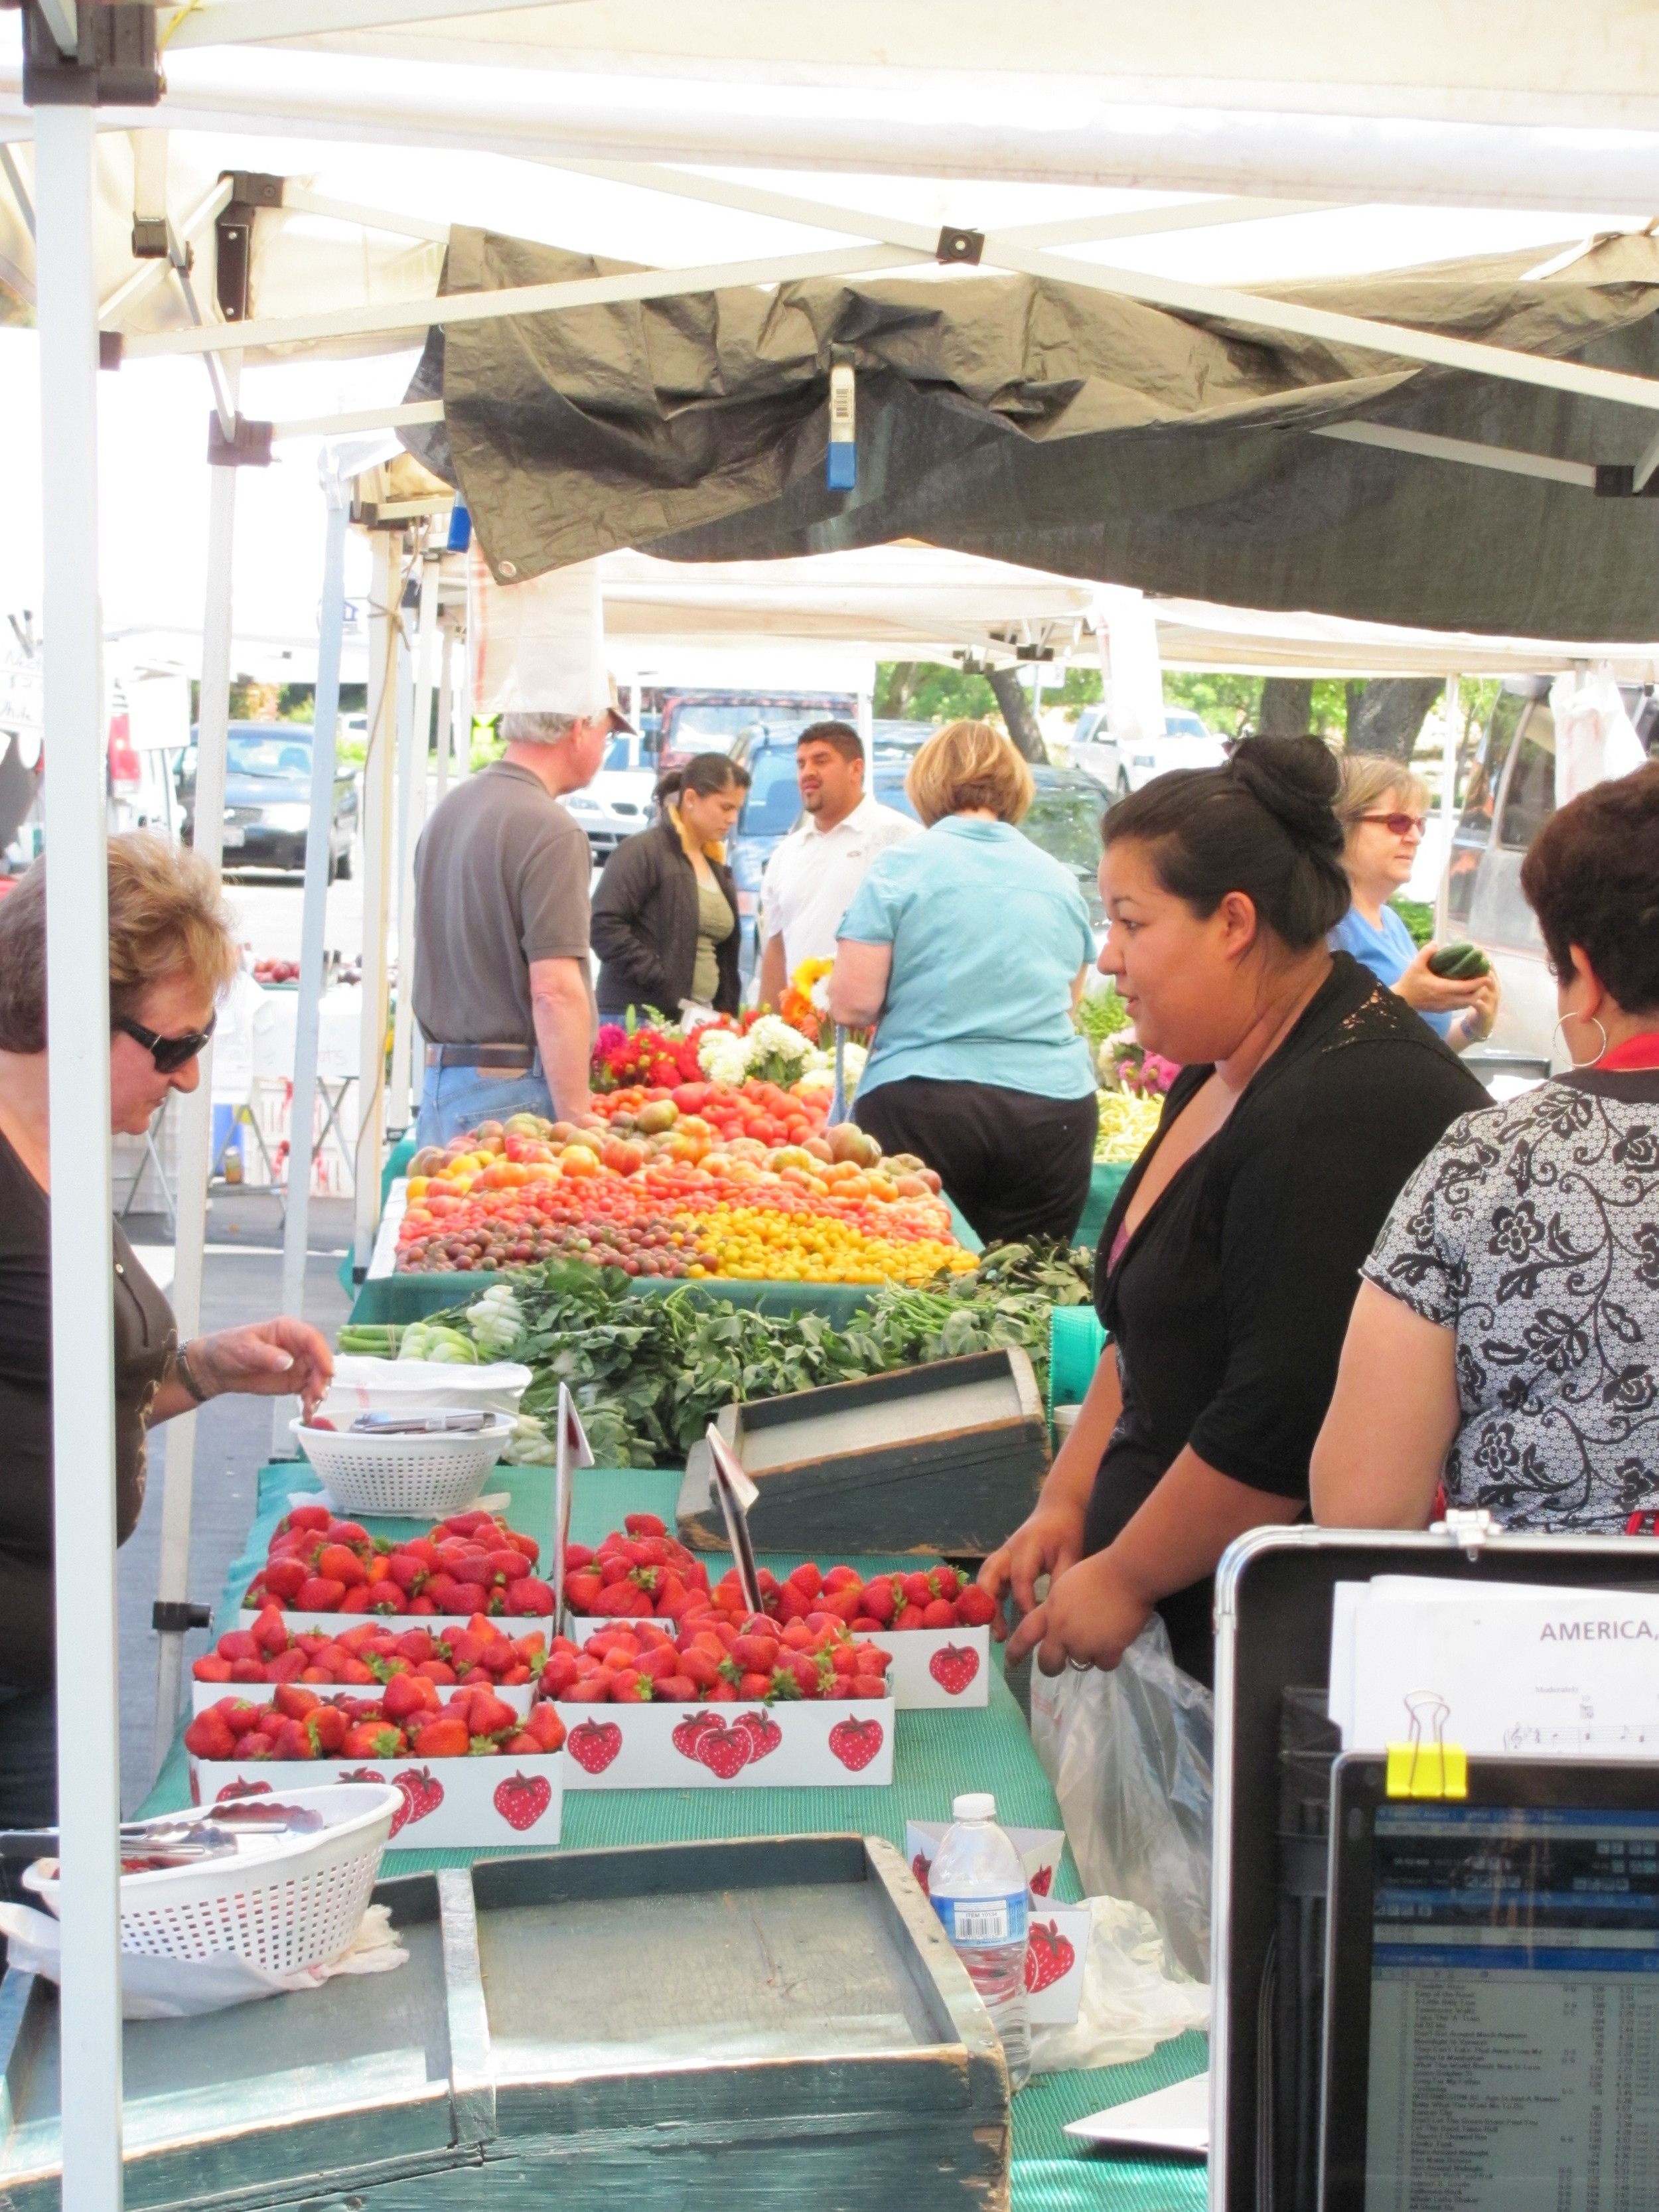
1123	764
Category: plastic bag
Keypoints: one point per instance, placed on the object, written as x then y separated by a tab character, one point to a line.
175	1988
1131	2002
1595	737
1130	1754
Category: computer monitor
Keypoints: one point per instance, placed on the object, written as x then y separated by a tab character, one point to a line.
1491	2011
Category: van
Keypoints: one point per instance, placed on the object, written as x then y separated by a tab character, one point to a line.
1511	795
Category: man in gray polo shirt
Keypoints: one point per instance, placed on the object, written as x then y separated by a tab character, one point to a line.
503	991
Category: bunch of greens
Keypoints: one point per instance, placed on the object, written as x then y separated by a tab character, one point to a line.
1101	1015
648	1374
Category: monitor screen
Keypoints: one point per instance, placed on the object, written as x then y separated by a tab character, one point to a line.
1514	2043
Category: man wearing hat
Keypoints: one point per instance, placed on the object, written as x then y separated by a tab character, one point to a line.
503	989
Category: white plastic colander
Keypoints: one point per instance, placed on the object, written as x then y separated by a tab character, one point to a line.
280	1903
434	1475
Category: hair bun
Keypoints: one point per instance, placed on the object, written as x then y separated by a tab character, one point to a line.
1296	780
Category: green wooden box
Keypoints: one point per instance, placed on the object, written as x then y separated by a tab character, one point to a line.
759	2023
946	1458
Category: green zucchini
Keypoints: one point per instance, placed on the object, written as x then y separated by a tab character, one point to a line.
1459	963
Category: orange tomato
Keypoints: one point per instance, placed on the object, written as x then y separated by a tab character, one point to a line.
578	1160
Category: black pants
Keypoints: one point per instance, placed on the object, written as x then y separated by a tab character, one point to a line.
1013	1165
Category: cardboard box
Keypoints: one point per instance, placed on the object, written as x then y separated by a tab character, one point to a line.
203	1695
449	1804
933	1669
1058	1944
827	1743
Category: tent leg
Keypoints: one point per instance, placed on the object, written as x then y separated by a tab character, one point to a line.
297	1222
446	712
82	1287
413	737
1452	711
196	1125
383	630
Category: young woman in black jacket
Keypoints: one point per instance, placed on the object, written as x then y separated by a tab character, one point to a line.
666	912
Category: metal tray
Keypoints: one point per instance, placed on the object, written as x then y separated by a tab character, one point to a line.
942	1458
772	2020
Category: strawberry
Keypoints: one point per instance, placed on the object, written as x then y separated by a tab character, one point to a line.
530	1595
286	1666
644	1524
293	1703
269	1631
409	1572
594	1690
349	1532
357	1600
329	1728
806	1579
293	1740
1043	1881
581	1590
307	1516
240	1715
975	1607
408	1694
629	1688
211	1667
953	1666
545	1726
946	1581
385	1596
489	1715
867	1685
918	1591
209	1736
911	1616
878	1599
319	1594
856	1743
724	1751
284	1578
676	1689
441	1738
1049	1956
373	1740
843	1578
576	1556
939	1613
256	1744
339	1562
757	1684
594	1744
522	1799
919	1868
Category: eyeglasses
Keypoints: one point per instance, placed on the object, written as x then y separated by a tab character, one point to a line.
170	1054
1399	825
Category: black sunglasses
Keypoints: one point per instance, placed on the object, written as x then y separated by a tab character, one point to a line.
169	1053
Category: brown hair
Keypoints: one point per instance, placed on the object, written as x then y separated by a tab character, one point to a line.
968	764
166	919
1592	878
1367	779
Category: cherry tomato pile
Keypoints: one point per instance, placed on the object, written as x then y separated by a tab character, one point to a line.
690	1183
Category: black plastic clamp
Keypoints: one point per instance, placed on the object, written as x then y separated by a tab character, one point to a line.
171	1616
248	447
960	245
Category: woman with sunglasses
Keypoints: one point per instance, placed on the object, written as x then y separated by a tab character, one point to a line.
171	954
1382	808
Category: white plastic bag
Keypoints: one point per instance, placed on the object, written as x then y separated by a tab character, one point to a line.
1130	1756
175	1988
1131	2001
1595	737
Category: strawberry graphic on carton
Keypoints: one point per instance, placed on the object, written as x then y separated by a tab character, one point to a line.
729	1745
448	1804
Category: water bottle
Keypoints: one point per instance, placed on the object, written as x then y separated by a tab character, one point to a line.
977	1883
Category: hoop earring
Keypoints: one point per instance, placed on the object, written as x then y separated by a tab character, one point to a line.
1567	1047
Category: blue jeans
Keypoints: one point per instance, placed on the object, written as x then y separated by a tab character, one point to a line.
456	1098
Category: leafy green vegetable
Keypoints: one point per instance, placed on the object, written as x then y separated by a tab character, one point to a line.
1100	1015
1418	916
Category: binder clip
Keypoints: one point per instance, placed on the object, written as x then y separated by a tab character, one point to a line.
1436	1770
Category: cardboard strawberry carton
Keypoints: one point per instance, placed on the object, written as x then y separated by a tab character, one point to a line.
931	1670
205	1695
449	1804
819	1743
1057	1944
318	1566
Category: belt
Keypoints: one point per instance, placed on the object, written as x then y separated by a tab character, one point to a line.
514	1058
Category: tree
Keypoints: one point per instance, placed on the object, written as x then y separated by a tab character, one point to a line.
1286	707
1017	720
1386	715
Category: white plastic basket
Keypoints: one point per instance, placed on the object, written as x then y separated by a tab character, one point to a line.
434	1475
279	1904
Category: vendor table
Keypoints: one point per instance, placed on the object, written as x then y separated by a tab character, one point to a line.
936	1755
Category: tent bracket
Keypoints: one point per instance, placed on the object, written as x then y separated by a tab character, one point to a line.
249	192
90	53
960	244
246	444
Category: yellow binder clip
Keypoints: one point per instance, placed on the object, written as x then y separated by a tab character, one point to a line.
1427	1770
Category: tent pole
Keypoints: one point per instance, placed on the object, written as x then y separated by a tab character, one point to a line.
446	712
1452	711
82	1288
196	1125
296	1221
383	630
411	760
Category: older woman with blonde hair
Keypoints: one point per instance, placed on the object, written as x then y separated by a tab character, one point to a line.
1382	808
171	955
966	948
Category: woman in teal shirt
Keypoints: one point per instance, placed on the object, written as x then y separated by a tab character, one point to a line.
968	948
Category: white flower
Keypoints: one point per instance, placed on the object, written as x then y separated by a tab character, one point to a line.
816	1079
722	1056
772	1035
851	1059
819	994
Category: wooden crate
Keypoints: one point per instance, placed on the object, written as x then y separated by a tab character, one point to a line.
946	1458
771	2021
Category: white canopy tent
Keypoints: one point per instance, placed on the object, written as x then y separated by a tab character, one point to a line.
1294	105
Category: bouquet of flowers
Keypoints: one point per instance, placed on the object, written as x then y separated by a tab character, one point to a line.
805	1002
1125	1065
769	1049
648	1056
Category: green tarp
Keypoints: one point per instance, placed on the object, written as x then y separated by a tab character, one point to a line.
1069	430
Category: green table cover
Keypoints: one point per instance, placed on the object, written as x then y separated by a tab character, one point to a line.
1105	1184
936	1754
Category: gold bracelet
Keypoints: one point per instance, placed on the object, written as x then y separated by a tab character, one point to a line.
181	1367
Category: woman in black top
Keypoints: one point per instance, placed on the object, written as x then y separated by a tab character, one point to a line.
171	953
664	920
1229	1264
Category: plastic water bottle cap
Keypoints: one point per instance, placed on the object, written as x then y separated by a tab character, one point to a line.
974	1805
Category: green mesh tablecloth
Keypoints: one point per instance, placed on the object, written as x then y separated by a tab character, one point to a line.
1104	1185
936	1755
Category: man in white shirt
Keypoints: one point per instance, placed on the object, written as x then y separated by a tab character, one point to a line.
811	878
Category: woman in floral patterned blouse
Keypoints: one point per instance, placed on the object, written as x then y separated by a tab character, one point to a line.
1505	1340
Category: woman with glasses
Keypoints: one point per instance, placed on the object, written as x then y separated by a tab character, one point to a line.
1382	807
1505	1340
171	955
